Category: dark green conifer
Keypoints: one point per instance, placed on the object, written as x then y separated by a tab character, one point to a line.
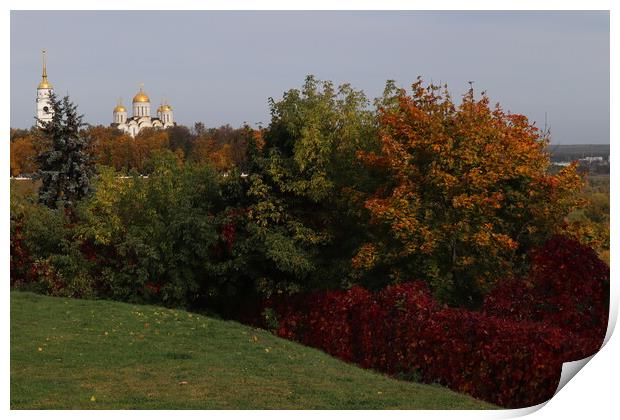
65	163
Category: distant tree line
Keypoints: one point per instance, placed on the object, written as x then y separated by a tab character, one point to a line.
223	147
570	152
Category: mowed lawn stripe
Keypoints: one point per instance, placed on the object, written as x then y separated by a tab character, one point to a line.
90	354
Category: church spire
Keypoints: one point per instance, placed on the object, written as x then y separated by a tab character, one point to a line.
44	67
44	82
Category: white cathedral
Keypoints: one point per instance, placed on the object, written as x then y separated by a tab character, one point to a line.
140	119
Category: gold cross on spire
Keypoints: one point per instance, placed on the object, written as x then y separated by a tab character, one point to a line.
44	67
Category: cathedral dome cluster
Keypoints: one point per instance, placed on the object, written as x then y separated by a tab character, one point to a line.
141	110
141	118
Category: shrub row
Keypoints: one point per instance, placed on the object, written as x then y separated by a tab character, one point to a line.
505	354
171	239
567	287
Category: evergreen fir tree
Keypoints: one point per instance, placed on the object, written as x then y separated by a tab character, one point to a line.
65	164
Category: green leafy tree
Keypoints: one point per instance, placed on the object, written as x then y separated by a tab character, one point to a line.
303	167
65	166
169	238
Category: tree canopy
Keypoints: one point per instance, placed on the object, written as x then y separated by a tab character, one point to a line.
465	192
65	165
334	191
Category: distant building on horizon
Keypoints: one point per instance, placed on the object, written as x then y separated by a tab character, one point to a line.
141	117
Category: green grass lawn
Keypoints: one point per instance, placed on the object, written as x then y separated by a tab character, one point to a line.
68	353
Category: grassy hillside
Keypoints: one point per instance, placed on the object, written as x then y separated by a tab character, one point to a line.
69	353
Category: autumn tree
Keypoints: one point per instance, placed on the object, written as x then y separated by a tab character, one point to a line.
23	154
18	133
202	149
466	192
111	147
199	129
147	144
224	147
180	138
303	164
65	164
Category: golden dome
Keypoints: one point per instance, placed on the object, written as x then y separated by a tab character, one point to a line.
164	107
119	108
45	84
141	97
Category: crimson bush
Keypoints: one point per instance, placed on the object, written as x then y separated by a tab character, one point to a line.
567	287
510	354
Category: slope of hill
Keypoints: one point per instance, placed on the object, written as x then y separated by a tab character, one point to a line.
68	353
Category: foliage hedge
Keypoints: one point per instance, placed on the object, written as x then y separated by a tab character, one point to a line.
166	239
510	354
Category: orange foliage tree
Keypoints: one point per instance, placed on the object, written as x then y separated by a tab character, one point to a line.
111	147
147	144
23	153
205	150
466	192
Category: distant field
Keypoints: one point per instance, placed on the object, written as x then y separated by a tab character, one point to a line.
598	183
80	354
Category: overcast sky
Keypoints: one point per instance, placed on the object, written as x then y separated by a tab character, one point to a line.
221	67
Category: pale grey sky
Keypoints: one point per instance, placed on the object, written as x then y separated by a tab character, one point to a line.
220	67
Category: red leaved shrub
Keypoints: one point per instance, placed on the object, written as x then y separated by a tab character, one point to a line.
511	353
508	363
567	287
20	258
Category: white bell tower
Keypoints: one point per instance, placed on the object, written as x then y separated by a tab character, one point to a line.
45	89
